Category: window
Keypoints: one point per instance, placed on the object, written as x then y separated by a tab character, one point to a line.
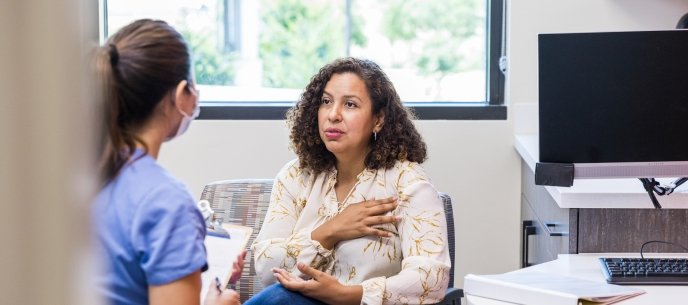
252	58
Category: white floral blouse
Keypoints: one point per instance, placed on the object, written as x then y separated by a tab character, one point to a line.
410	268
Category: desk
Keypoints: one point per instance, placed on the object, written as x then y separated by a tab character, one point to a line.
586	266
600	193
593	216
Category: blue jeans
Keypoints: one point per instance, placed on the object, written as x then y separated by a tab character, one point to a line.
278	295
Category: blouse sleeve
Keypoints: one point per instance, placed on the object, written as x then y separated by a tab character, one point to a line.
278	244
422	229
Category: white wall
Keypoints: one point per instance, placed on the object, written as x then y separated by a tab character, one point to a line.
530	17
473	161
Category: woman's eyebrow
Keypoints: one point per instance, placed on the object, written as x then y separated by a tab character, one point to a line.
348	96
352	96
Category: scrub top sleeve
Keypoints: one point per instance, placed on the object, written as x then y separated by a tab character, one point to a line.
168	233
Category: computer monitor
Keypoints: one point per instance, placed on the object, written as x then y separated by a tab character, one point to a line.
615	104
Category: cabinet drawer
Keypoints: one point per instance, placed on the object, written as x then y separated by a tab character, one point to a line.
550	226
543	246
546	209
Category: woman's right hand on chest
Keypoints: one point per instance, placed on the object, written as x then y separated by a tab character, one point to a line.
357	220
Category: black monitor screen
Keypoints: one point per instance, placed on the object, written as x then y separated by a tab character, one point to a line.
613	97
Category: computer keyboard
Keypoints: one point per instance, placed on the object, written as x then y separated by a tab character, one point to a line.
645	271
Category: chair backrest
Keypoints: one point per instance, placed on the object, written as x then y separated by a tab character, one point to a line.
246	201
449	214
243	202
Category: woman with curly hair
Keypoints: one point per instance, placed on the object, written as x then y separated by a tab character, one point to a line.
354	220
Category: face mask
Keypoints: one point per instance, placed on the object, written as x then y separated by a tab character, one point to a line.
186	120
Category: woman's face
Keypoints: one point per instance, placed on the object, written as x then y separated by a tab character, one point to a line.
345	117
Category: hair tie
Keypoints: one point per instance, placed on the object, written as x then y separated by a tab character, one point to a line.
114	55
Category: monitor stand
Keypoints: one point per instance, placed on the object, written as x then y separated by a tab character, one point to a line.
652	186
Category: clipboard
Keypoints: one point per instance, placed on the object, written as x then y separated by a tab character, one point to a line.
222	253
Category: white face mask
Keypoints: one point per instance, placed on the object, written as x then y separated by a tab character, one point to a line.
186	120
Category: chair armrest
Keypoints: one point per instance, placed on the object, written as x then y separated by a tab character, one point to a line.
452	297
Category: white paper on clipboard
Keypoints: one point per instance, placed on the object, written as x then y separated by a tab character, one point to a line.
222	253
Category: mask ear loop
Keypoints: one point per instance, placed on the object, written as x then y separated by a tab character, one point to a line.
193	90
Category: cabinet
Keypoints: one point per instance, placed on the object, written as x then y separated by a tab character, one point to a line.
548	230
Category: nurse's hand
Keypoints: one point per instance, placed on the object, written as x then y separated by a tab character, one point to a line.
224	297
216	296
237	267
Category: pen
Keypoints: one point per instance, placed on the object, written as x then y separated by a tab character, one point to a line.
217	284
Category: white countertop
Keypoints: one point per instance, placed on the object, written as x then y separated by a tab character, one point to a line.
586	266
600	193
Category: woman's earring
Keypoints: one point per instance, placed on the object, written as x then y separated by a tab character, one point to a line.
374	135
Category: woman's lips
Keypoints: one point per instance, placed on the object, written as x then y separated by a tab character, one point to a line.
333	134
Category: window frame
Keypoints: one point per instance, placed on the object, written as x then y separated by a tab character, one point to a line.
492	109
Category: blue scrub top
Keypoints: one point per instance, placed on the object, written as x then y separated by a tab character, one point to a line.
149	231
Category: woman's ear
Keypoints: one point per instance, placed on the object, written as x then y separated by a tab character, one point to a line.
379	121
184	97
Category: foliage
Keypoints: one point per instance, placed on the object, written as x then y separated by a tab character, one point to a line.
211	66
298	38
435	32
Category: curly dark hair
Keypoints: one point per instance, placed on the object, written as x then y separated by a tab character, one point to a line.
398	140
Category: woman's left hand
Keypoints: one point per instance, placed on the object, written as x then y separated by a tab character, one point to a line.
321	286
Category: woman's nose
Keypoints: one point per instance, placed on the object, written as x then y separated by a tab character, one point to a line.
335	114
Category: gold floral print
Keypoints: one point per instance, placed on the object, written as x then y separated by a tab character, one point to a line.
291	255
281	210
352	273
411	267
431	281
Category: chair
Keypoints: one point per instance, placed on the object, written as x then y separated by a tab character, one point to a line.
245	202
453	295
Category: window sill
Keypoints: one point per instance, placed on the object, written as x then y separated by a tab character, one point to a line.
277	111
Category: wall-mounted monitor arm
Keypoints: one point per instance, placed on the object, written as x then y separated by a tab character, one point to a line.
562	175
653	187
